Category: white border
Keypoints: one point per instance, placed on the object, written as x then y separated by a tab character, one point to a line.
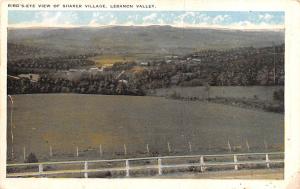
292	99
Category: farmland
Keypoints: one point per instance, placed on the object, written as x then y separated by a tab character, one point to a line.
108	60
146	91
264	93
64	121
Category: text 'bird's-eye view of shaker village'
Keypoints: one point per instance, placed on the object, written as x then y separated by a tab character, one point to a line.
145	94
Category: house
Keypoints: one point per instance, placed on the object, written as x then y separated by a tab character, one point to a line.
32	77
144	64
175	79
196	60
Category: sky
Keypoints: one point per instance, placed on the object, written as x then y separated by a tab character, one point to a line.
215	19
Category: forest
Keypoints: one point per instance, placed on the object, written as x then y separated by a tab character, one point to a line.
246	66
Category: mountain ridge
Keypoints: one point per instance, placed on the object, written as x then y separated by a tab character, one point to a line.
135	39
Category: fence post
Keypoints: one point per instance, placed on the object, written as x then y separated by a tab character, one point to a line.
267	161
159	166
229	146
100	150
266	144
235	161
50	151
125	150
202	168
169	147
85	170
127	167
247	144
24	153
147	146
40	168
77	153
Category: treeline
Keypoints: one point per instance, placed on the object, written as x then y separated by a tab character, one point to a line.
105	85
47	64
238	67
17	51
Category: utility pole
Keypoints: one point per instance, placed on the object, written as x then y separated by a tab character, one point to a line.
11	126
274	64
229	146
147	146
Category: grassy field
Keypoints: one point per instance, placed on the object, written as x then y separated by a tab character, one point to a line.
65	121
109	60
264	93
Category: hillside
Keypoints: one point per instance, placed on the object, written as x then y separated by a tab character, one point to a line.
146	40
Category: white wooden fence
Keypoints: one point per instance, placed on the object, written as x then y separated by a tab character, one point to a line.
235	160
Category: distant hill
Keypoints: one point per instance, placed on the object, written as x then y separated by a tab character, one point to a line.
135	39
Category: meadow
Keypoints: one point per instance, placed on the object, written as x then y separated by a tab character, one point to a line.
109	60
68	121
263	93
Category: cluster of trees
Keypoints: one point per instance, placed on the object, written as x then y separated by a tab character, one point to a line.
99	85
242	66
47	64
18	51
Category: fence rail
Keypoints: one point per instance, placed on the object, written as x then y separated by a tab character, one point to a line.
159	165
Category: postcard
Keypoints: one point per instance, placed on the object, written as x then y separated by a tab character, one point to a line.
149	94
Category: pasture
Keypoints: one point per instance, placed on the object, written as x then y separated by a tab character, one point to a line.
263	93
109	60
68	121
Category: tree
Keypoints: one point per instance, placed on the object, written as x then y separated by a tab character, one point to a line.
31	158
207	87
278	95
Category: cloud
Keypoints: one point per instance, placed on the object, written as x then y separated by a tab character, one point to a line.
203	18
54	18
102	15
161	22
113	22
219	19
177	19
96	14
150	18
265	17
93	22
245	24
102	19
183	18
187	14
